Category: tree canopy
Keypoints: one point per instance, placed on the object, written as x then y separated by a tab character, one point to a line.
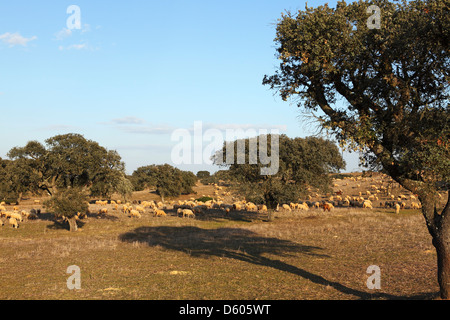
303	163
168	180
383	90
64	161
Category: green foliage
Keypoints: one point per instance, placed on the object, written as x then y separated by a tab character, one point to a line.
67	161
302	163
68	203
392	84
144	178
219	177
168	180
203	174
189	179
112	182
204	199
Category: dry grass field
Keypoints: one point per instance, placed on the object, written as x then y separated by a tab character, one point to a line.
298	255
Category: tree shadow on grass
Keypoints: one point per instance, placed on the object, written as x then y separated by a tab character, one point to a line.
243	245
60	223
218	214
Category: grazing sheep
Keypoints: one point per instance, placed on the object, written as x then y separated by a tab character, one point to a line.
103	211
160	213
415	205
127	208
14	223
327	206
188	213
135	214
397	208
80	216
286	207
251	207
303	206
367	204
16	216
262	208
25	214
140	209
237	206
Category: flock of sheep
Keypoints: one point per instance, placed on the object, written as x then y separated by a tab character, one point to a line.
191	208
16	216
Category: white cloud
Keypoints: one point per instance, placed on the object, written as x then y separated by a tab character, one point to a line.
74	47
135	125
86	28
234	126
149	129
77	46
128	120
64	33
14	39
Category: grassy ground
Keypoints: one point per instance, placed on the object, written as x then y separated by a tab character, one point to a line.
301	256
296	256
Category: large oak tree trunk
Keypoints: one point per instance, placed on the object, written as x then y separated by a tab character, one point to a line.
439	227
443	264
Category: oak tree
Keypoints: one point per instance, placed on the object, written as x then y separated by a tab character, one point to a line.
381	90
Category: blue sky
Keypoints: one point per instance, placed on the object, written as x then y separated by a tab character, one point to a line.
138	70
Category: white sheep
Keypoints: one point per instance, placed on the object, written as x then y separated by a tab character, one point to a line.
188	213
135	214
126	208
140	209
25	214
237	206
160	213
262	208
14	223
303	206
367	204
415	205
251	207
16	216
